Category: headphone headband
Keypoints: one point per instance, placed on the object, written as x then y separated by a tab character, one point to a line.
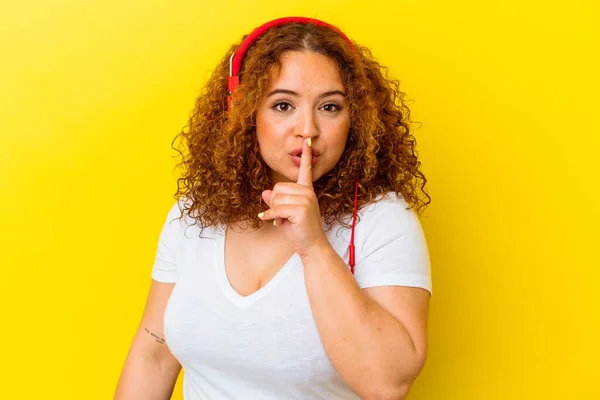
235	61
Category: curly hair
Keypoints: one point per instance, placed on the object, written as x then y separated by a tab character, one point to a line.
223	174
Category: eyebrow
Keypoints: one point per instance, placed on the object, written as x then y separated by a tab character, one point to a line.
291	92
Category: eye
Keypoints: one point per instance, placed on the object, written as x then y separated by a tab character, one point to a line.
283	106
331	107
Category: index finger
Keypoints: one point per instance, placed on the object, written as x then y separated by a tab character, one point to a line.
305	173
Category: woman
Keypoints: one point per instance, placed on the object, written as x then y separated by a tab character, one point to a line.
270	300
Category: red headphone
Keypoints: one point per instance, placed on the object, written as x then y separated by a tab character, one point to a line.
235	64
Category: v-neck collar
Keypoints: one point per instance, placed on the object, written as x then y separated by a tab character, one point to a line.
230	292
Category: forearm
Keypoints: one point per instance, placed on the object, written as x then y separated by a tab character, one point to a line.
369	348
146	379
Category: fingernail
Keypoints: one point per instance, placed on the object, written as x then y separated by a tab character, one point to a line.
309	142
260	215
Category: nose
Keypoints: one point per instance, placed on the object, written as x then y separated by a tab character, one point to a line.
307	125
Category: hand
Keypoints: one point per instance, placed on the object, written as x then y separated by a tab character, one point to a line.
294	207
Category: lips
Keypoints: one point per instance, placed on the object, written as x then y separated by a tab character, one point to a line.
298	152
297	160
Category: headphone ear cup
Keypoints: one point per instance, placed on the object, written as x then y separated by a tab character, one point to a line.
232	84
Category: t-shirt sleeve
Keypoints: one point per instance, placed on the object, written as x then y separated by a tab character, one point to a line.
393	250
165	262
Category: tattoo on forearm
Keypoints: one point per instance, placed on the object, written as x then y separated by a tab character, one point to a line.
158	338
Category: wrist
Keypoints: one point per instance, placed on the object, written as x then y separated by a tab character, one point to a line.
319	253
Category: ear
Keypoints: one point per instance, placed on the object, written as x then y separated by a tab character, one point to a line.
266	195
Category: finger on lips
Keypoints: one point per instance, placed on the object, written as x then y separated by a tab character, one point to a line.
305	173
304	176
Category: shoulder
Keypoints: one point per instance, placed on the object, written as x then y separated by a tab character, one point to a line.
391	248
388	208
179	212
389	220
180	221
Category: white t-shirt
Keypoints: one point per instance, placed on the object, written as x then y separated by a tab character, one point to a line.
266	345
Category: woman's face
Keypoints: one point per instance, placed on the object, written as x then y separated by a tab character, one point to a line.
305	100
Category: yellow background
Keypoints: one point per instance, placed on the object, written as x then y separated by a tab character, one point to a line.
92	94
